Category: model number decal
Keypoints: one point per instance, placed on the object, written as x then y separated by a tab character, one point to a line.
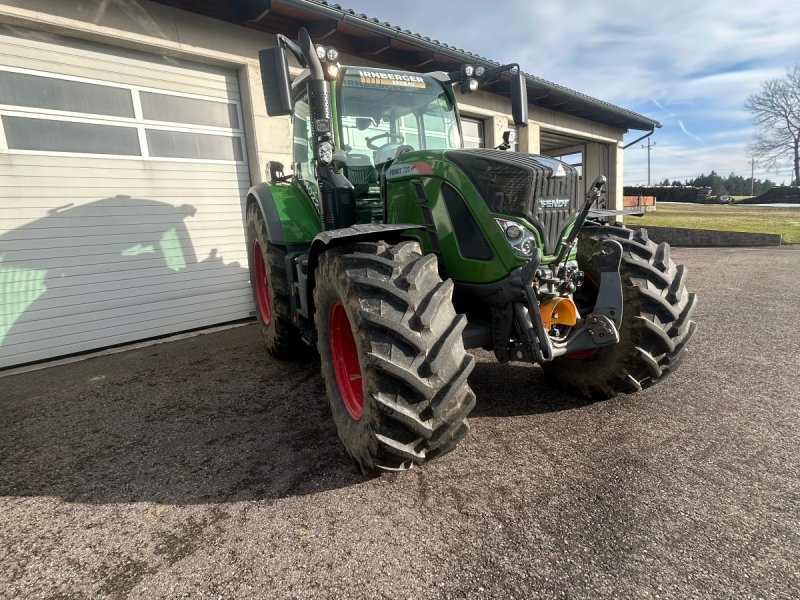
407	169
400	171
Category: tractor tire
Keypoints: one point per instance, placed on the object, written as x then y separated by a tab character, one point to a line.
271	291
656	324
392	356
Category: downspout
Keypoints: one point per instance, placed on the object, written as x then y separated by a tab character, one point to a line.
644	137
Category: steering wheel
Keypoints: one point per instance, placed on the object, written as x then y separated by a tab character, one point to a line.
391	137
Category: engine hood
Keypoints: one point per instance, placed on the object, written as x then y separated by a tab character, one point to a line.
541	189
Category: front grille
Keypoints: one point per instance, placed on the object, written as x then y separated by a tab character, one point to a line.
513	183
505	187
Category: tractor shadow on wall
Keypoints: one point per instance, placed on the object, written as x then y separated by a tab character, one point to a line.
108	272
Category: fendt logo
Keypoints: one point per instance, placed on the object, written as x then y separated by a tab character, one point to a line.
553	202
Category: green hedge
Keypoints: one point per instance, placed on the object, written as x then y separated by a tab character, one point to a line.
777	195
671	193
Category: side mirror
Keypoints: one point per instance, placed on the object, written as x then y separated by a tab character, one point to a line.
275	81
519	99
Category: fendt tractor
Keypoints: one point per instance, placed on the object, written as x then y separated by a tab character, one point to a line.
393	249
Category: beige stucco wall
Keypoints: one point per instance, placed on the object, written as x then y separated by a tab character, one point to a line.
163	30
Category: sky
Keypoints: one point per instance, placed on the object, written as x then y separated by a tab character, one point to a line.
689	64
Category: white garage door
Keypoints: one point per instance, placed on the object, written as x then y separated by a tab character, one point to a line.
121	185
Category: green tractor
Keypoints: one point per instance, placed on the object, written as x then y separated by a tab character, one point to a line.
393	249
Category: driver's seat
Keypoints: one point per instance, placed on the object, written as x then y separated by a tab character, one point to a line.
361	173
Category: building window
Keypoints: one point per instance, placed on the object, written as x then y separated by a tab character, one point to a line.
181	144
45	112
63	136
176	109
35	91
473	132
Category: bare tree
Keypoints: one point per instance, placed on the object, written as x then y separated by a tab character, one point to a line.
775	110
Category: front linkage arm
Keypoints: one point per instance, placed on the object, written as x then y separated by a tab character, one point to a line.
598	329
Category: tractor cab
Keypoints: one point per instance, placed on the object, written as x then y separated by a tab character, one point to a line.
378	116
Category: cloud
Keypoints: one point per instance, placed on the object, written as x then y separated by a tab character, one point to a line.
689	64
689	133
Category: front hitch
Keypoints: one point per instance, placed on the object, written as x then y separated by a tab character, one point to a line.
596	330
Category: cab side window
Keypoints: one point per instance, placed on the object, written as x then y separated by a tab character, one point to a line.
303	149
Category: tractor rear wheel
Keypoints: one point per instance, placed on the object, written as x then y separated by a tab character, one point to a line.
271	291
656	324
393	360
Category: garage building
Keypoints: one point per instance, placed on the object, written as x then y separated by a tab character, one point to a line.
131	131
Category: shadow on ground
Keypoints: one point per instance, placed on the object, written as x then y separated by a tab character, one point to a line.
206	419
516	389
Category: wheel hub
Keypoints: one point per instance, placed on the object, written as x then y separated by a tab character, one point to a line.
344	355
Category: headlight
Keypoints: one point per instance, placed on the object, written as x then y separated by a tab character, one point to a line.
469	70
332	54
333	71
479	71
521	240
325	152
320	52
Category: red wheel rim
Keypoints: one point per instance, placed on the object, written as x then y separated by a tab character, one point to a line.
261	284
583	354
344	355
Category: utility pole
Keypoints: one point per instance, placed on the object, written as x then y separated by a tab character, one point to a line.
752	175
649	145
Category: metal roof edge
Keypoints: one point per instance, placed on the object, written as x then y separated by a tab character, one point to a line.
336	11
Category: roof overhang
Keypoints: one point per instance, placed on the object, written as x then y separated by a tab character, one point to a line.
360	35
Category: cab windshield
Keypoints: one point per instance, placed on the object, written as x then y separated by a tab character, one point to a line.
383	113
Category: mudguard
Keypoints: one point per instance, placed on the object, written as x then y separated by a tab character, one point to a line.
349	235
355	233
290	217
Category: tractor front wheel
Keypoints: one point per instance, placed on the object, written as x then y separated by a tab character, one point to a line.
656	324
393	360
271	291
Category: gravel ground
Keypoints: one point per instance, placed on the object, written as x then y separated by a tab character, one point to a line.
203	468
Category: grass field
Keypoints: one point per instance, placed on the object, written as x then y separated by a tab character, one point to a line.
761	219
